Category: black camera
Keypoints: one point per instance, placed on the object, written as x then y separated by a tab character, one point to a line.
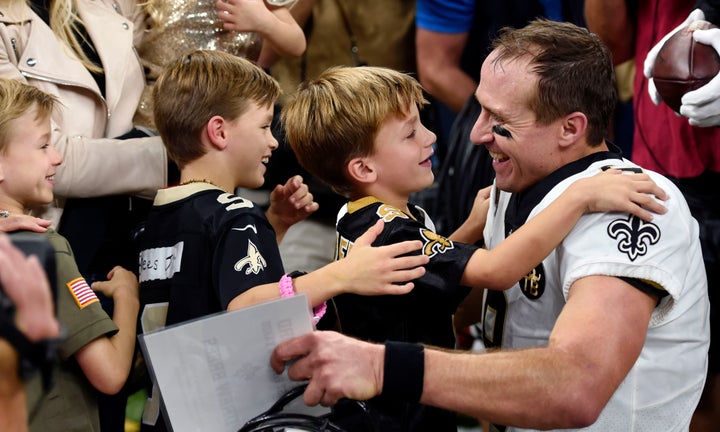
34	356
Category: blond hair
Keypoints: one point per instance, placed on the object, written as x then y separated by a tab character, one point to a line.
16	99
65	23
200	85
336	117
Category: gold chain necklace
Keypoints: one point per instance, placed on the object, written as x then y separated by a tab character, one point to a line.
198	181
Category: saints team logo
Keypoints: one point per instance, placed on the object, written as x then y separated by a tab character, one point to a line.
635	235
533	284
434	243
387	213
253	262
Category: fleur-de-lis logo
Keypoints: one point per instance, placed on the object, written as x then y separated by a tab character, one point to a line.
434	243
387	213
635	235
253	261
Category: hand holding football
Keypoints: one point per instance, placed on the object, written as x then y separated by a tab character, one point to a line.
683	65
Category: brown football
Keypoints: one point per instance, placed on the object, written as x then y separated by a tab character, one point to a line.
683	65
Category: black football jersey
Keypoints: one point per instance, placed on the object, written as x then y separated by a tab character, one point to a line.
425	314
200	248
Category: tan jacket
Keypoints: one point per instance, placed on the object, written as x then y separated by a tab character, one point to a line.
93	166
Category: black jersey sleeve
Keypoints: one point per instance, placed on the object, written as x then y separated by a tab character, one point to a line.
247	255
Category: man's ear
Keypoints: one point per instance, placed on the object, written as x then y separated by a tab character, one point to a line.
216	132
361	170
573	128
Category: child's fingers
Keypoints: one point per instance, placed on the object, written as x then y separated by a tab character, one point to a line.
294	184
650	204
406	247
405	288
409	262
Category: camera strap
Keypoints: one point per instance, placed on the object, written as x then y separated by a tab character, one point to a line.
32	356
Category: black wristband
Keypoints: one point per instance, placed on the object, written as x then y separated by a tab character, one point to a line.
404	371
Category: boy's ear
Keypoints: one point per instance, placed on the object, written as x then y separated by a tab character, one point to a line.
361	170
574	126
216	132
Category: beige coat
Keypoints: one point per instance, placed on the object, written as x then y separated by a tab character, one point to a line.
93	166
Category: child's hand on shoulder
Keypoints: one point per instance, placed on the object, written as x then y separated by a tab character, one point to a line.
23	222
290	203
624	191
382	270
121	282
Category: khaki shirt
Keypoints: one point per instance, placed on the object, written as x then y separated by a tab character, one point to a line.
71	404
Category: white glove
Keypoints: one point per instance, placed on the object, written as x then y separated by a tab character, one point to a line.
649	64
702	106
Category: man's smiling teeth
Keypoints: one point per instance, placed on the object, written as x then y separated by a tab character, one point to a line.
499	157
265	160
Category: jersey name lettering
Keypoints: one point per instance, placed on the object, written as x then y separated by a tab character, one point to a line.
160	263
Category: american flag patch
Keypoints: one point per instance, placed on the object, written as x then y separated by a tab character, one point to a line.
83	294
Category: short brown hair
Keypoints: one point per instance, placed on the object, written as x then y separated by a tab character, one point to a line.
336	117
200	85
16	99
575	72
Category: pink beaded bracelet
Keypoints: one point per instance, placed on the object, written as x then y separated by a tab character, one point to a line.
288	290
286	286
319	311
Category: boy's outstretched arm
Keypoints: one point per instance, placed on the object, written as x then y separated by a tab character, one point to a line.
289	204
611	190
367	270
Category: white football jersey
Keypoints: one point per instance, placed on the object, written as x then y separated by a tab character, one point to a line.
662	389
